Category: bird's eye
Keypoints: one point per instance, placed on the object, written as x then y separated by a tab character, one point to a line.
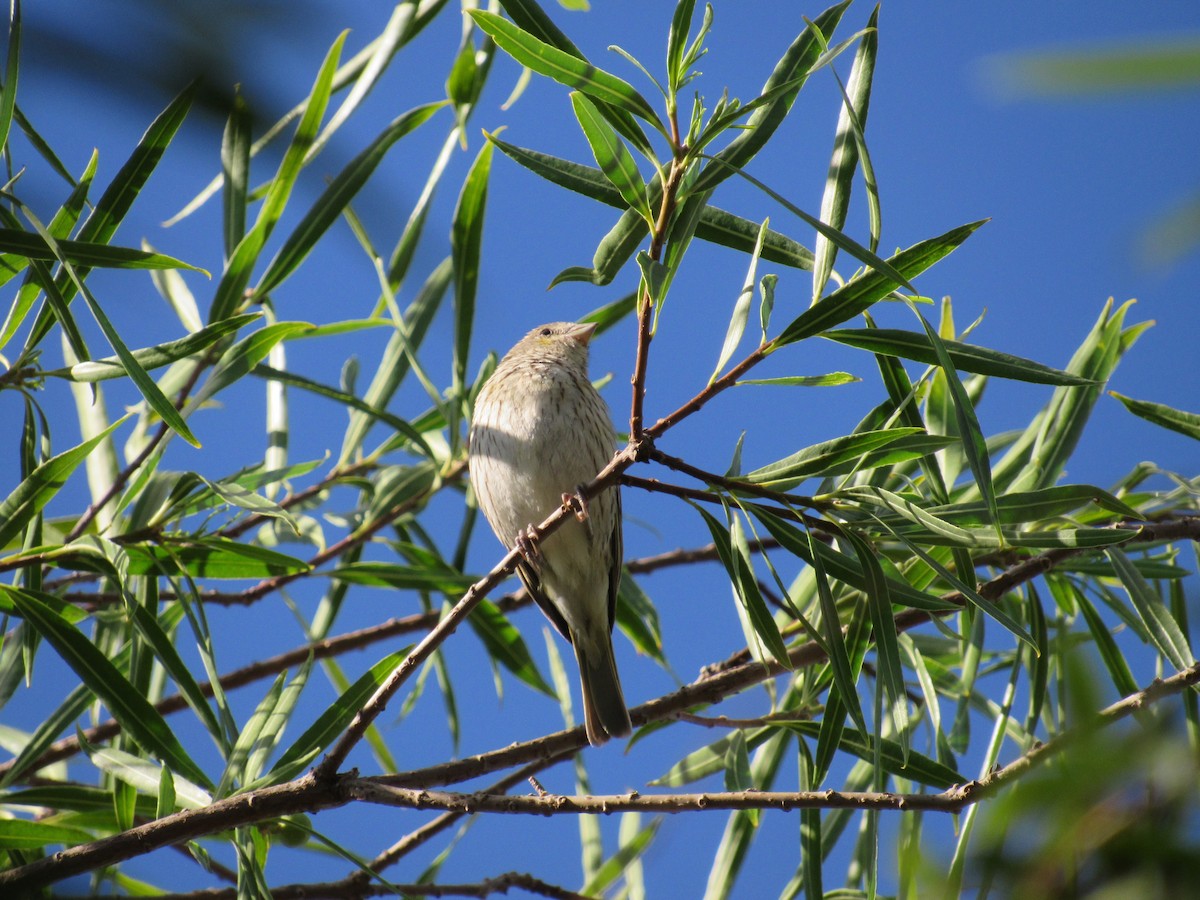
545	332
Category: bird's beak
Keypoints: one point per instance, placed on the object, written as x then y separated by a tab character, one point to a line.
583	332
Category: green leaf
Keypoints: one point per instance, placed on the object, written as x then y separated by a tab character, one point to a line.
21	834
791	69
715	225
612	253
821	458
157	356
638	619
965	357
830	380
35	491
852	120
146	777
8	98
401	577
681	24
331	723
1164	631
613	157
1174	419
762	634
85	253
844	568
118	197
466	237
235	168
230	293
337	196
211	557
137	717
505	645
883	625
741	307
146	386
565	68
240	359
896	761
862	292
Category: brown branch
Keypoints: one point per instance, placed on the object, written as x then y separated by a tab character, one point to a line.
951	800
310	793
499	884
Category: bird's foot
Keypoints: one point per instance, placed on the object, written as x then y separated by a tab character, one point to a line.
578	504
527	543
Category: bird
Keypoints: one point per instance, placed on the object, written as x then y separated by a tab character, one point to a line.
539	432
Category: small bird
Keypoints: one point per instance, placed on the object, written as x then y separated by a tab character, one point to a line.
540	431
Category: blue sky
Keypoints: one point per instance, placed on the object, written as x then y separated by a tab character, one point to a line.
1069	184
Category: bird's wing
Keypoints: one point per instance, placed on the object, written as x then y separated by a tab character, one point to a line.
533	584
617	549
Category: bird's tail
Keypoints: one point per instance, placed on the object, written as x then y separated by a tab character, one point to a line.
604	712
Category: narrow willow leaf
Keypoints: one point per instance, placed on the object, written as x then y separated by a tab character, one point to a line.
791	69
741	827
337	196
8	98
819	458
1037	458
146	777
1036	506
887	646
681	24
211	557
505	645
36	490
974	444
235	169
146	386
564	68
860	293
231	289
466	235
966	357
253	733
1164	631
1110	653
401	577
852	121
623	862
530	17
741	307
715	225
128	706
638	619
614	159
327	726
766	288
830	380
323	390
118	197
913	765
839	657
86	253
168	657
22	835
399	355
157	356
1174	419
843	567
612	253
240	359
762	632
